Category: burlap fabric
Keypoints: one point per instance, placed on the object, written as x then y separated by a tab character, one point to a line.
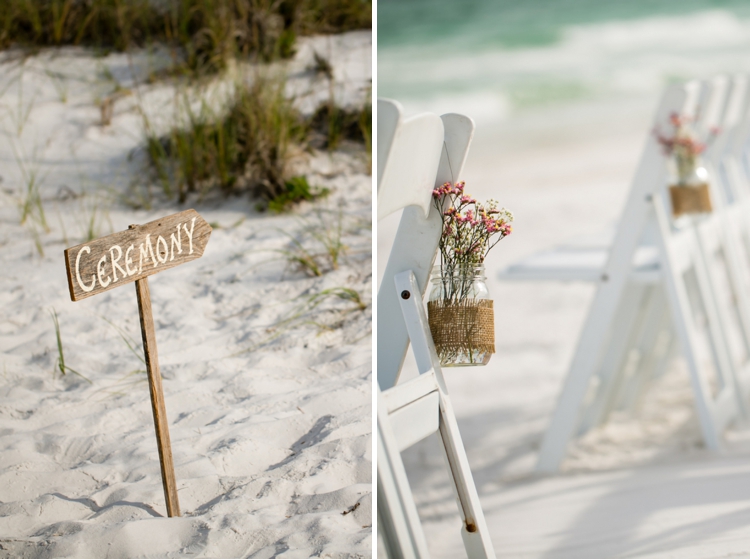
466	326
690	199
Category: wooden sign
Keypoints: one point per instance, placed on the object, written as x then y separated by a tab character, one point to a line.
142	250
132	256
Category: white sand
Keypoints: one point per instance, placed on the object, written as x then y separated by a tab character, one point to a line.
272	446
641	486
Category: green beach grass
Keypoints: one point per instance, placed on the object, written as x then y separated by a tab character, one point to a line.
248	145
206	33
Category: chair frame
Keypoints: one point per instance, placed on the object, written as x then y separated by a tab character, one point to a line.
410	411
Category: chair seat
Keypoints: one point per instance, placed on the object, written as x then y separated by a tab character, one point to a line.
580	260
413	408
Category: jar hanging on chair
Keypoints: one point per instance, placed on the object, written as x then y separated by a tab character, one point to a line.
689	189
688	183
461	316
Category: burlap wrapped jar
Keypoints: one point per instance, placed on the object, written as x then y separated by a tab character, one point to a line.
461	317
689	191
692	199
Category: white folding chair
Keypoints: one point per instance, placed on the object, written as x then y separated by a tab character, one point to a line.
655	287
719	257
726	160
414	155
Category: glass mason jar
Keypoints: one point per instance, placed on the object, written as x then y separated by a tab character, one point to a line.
688	187
461	316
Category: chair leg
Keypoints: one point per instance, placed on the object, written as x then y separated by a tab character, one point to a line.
642	347
653	348
398	521
629	318
474	529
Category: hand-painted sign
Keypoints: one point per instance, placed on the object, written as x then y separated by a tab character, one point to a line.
128	256
132	256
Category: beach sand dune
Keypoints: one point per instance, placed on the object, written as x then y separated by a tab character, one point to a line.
267	370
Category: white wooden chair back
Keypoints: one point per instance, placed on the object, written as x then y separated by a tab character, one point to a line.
720	236
420	153
408	157
635	306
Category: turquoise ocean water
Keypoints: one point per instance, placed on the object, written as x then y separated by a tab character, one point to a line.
498	57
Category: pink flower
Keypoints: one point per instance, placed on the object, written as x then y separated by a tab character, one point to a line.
468	226
442	190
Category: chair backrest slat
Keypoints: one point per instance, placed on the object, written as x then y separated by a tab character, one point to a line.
417	237
406	175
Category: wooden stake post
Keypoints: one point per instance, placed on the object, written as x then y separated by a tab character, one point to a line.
132	256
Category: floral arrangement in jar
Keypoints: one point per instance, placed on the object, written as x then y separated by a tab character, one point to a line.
461	314
689	190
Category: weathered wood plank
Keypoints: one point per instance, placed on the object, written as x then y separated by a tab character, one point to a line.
157	397
134	254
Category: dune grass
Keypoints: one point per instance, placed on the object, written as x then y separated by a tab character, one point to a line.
60	362
206	33
335	124
296	189
308	313
249	147
318	247
30	206
92	217
249	144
